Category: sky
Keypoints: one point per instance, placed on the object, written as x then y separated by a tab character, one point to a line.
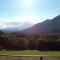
33	11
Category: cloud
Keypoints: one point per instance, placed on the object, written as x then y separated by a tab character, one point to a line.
19	21
30	19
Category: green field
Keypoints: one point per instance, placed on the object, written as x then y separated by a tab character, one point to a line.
29	52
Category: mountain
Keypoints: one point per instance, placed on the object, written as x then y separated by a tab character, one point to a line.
47	26
14	26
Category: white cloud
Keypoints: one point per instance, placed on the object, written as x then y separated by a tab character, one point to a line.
13	22
30	19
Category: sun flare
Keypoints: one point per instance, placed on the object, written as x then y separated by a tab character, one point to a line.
27	3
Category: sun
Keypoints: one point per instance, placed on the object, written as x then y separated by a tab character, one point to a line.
27	3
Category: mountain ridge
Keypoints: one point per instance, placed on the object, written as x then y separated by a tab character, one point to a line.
47	26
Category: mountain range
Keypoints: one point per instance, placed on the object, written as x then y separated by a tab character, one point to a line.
47	26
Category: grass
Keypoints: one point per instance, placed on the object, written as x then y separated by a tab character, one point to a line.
29	52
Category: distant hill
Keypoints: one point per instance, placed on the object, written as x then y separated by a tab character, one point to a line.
47	26
14	26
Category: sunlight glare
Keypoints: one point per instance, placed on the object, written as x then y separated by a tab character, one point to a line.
27	3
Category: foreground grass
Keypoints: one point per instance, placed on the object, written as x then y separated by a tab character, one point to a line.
29	52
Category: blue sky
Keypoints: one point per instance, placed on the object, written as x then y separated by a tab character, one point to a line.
32	11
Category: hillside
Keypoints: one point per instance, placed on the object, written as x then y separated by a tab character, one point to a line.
47	26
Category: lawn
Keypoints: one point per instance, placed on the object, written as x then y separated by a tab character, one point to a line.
29	52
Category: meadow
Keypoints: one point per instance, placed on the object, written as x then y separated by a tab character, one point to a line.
29	52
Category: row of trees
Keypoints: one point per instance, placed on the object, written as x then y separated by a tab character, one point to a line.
11	41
